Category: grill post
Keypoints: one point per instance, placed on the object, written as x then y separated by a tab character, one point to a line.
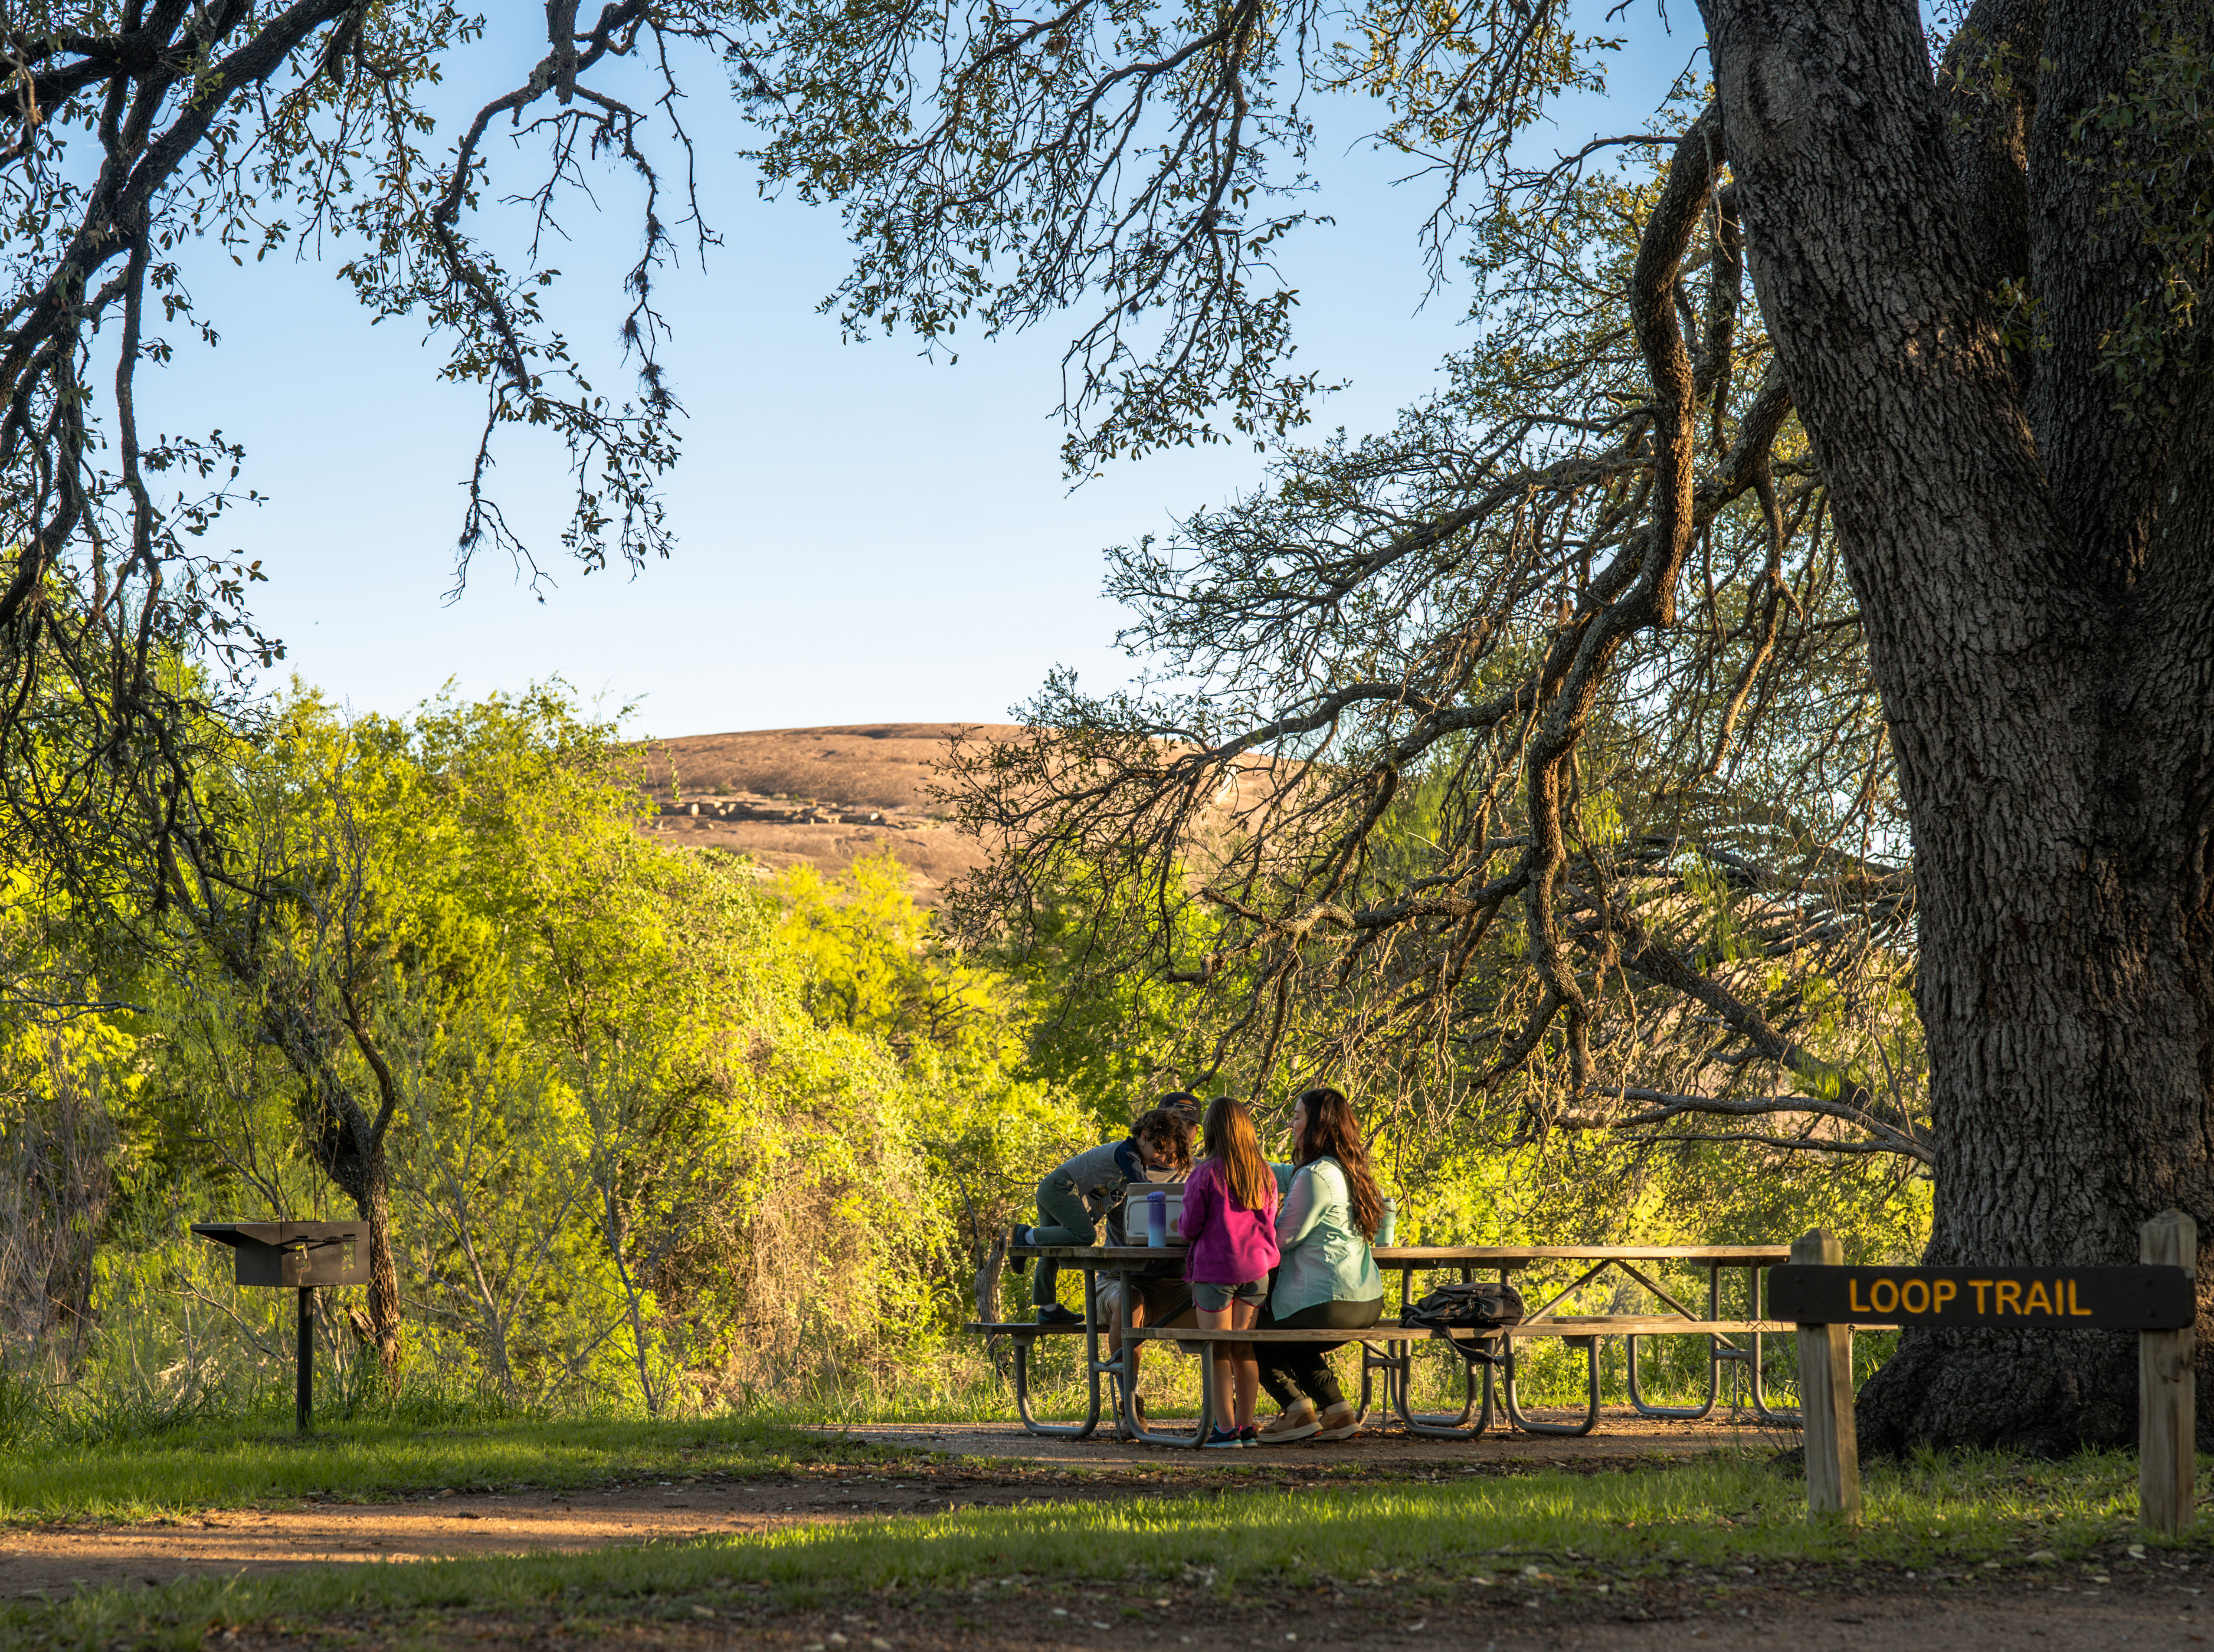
306	1398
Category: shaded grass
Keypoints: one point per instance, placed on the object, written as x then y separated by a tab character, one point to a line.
1958	1513
225	1464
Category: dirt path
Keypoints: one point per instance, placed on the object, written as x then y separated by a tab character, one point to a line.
956	1464
61	1556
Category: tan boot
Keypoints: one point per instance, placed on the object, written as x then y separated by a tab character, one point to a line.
1340	1421
1297	1422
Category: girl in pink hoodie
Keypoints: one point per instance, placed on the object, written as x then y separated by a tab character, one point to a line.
1230	1222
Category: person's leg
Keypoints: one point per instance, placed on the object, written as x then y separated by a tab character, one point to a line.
1306	1365
1064	1220
1307	1369
1109	1300
1225	1376
1109	1307
1242	1315
1270	1367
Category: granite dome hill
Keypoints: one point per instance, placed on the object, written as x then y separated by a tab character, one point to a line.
825	797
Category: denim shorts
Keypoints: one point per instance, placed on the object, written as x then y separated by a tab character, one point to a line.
1215	1298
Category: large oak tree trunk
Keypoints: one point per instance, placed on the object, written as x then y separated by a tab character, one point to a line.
2030	538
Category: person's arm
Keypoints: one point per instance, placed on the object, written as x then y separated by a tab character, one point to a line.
1198	1205
1302	1211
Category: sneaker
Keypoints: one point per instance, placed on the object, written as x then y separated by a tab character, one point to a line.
1054	1314
1019	1265
1249	1436
1297	1423
1222	1439
1340	1421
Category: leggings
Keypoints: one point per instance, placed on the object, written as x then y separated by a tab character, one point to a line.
1066	1221
1288	1369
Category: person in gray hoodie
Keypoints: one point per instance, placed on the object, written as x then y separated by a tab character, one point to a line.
1077	1195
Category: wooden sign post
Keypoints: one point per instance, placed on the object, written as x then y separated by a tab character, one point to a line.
2158	1301
1826	1397
2167	1389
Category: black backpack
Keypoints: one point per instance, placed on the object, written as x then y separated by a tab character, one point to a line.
1471	1307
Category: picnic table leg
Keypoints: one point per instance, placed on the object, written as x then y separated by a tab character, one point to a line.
1031	1425
1779	1416
1126	1363
1591	1407
1468	1405
1715	1354
1438	1427
1206	1399
1092	1362
1128	1360
1387	1361
1023	1345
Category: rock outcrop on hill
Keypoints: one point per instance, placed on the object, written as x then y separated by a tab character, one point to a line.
826	797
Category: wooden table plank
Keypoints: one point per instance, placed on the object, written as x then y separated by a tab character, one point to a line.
1395	1256
1599	1324
1399	1255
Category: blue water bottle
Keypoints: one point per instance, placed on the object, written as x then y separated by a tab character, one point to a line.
1156	1220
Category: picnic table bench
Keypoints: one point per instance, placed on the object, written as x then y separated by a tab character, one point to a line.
1387	1347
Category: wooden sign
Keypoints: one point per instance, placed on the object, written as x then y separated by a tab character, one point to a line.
2092	1299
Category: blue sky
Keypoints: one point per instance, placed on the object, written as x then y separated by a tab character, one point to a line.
864	535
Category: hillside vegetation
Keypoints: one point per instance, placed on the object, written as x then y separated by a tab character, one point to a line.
729	792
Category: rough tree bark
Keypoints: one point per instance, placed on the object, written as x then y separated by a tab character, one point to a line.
2033	548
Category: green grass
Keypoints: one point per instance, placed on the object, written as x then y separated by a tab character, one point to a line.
228	1463
1958	1514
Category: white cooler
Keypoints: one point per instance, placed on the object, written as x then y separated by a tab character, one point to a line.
1134	1209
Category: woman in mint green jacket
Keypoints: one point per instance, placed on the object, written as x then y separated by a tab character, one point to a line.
1327	1278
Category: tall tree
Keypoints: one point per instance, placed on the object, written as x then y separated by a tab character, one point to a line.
1977	263
2031	534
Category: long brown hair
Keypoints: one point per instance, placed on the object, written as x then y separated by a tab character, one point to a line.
1228	1138
1332	1132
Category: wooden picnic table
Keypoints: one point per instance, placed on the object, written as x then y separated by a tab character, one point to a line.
1387	1348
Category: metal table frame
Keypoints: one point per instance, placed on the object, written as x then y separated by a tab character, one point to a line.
1495	1393
1396	1362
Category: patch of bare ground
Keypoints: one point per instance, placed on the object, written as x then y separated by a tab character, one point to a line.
887	766
1864	1609
827	797
63	1555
